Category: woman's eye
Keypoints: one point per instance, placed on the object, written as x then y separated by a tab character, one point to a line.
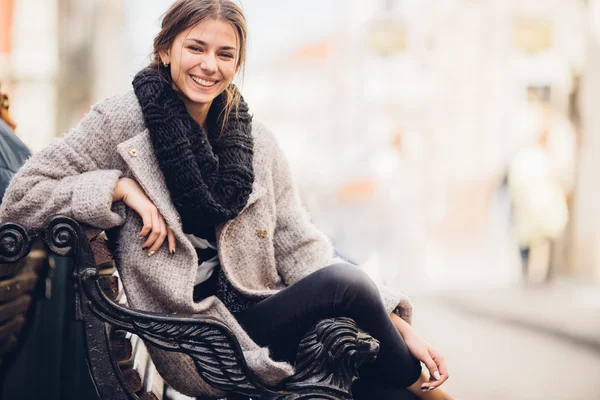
227	55
195	48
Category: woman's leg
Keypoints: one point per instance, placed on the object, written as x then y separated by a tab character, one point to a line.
366	389
281	320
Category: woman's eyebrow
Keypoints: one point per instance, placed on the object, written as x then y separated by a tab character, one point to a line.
200	42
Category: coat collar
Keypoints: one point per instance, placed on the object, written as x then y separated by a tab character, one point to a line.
138	154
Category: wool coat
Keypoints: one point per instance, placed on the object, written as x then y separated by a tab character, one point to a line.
268	246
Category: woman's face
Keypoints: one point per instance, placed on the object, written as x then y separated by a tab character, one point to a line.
203	61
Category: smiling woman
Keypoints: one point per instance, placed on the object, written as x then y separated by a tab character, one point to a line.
203	64
204	216
205	55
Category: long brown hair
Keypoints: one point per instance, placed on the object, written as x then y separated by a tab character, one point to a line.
184	14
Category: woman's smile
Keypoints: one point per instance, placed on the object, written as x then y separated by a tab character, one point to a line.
203	82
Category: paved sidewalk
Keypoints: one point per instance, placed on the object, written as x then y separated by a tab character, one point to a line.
565	309
493	360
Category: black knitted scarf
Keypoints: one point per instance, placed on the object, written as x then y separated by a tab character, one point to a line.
209	174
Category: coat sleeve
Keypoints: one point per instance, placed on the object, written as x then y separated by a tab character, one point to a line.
301	248
75	176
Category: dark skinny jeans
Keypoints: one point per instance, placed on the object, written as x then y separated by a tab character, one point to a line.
281	320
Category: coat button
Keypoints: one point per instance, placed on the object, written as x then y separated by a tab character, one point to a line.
268	285
133	152
178	218
262	233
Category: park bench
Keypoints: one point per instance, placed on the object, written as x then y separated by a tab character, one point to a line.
22	284
116	336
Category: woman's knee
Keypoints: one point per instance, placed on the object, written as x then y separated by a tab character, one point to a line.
349	283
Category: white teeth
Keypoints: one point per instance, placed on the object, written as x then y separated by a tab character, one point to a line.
202	82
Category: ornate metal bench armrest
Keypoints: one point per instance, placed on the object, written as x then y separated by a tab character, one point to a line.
211	344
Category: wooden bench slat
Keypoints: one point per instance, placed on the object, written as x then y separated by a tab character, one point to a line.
34	262
140	358
12	326
175	395
153	383
149	396
15	307
10	289
92	233
133	379
107	270
128	363
10	270
102	254
110	286
121	346
8	344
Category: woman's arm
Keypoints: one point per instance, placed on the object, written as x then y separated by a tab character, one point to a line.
75	176
423	352
154	225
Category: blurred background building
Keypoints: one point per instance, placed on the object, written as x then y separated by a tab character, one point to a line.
402	121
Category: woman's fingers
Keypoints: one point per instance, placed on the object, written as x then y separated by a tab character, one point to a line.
157	227
162	234
154	227
439	374
155	230
441	364
433	373
147	221
171	241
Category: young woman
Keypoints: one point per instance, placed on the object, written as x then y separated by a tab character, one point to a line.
199	202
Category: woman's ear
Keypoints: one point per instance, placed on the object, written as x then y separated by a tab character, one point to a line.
164	57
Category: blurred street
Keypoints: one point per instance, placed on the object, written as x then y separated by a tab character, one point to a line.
496	351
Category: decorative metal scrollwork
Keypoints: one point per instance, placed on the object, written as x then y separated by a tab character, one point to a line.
60	235
15	243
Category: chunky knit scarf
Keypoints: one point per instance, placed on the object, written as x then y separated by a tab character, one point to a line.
209	174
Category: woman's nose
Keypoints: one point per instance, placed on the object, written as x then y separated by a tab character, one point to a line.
209	63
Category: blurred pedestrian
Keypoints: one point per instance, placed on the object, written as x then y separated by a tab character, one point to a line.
540	180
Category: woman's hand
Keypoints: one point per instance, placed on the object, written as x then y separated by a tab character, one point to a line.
423	352
130	192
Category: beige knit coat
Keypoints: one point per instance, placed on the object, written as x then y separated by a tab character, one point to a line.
76	176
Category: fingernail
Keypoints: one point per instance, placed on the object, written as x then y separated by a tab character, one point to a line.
172	252
430	388
437	376
151	253
424	389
